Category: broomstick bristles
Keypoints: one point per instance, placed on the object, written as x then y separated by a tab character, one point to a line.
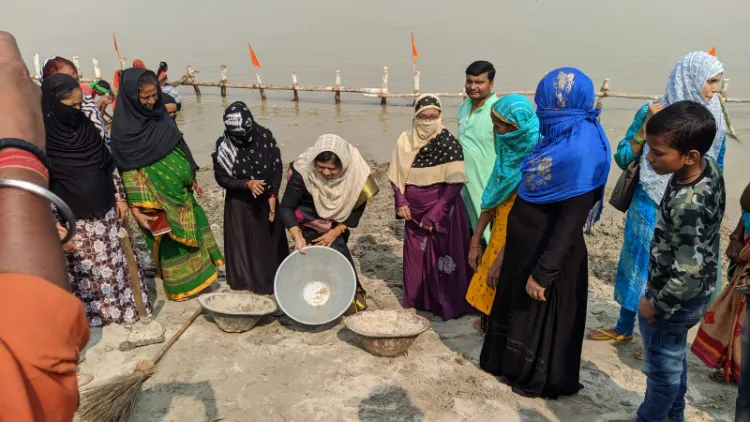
114	400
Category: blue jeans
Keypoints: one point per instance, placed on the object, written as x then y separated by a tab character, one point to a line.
626	323
743	395
665	362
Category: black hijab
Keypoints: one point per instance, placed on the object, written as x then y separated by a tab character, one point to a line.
248	150
140	136
81	172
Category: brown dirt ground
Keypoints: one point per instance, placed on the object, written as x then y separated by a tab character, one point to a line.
283	371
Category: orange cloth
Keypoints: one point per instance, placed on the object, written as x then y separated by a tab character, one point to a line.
480	295
42	330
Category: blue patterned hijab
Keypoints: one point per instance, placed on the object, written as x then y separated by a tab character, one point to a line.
511	148
573	157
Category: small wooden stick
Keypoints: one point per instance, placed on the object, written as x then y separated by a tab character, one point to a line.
177	335
135	281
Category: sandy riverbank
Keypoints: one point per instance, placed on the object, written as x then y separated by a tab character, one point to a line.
282	371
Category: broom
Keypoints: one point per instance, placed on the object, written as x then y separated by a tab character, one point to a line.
115	400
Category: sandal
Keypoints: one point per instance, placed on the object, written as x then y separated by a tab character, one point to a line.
638	354
603	334
718	377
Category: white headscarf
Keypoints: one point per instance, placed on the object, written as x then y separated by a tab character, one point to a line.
334	199
686	82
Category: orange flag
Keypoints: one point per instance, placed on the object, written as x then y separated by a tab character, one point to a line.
414	53
117	50
712	51
253	57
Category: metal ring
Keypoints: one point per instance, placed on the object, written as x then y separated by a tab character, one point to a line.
37	190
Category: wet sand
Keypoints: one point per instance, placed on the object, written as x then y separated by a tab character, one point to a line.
283	371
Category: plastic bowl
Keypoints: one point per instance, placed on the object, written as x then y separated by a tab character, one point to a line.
317	287
236	312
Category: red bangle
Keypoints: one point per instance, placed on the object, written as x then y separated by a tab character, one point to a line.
15	158
476	246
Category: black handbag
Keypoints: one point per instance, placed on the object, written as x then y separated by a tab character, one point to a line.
622	194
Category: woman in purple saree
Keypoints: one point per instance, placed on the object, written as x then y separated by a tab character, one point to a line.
427	174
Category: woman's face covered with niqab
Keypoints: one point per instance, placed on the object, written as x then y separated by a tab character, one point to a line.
238	124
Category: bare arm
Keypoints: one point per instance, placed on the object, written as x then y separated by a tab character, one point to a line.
29	243
484	220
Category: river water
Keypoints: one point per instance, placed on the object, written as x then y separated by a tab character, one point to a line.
635	43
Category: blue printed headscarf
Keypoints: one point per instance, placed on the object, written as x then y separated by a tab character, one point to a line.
573	156
511	148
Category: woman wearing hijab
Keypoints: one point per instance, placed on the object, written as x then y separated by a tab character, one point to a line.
247	163
89	107
83	174
516	133
427	174
695	78
326	195
158	173
536	326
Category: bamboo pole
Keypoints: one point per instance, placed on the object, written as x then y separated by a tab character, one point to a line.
416	86
223	81
78	67
722	97
384	90
97	71
603	92
337	88
191	77
37	67
260	86
294	85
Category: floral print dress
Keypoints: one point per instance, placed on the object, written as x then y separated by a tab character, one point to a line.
98	271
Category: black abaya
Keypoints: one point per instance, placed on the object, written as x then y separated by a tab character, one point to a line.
253	246
535	347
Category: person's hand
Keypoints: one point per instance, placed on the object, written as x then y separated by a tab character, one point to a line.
475	255
257	187
21	115
102	102
197	188
734	249
299	241
142	219
426	227
534	290
271	208
404	212
122	210
328	238
67	247
646	309
494	272
653	108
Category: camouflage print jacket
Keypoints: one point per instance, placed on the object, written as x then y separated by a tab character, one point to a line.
685	250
